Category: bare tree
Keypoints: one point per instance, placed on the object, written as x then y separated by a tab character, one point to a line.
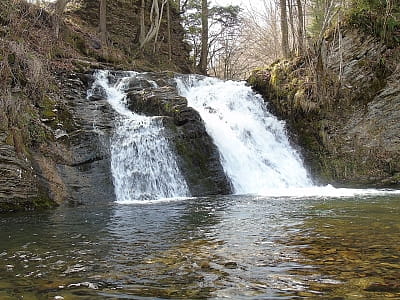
156	14
103	23
169	29
291	16
284	29
257	43
204	37
59	9
142	34
300	27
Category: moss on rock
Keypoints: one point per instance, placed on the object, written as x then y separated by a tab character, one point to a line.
335	119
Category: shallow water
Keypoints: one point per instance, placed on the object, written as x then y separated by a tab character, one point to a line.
239	247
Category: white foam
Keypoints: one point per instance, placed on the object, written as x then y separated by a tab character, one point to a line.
154	201
254	148
142	162
327	191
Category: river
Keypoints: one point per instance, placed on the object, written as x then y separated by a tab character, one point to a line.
279	236
238	247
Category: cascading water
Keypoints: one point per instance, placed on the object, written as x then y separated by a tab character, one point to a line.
142	164
254	148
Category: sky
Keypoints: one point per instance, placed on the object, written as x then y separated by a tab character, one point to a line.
241	3
252	5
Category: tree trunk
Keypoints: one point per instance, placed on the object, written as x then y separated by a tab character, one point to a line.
284	29
204	38
169	31
291	23
142	34
300	29
60	6
103	23
157	28
156	15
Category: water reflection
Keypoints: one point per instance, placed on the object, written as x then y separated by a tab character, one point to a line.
240	247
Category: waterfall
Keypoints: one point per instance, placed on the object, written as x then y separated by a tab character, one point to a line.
143	165
254	148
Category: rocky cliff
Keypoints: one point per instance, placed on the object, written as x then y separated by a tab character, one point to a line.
342	107
50	152
72	165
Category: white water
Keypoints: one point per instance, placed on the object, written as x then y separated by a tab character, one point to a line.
254	148
255	151
142	164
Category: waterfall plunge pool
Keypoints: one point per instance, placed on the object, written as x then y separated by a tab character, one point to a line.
237	247
279	237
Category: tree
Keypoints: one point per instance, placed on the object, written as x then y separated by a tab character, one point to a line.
192	25
300	27
142	34
284	29
220	21
156	14
169	30
224	46
59	9
103	23
204	38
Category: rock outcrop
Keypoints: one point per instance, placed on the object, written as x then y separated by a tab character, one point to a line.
73	166
50	150
85	165
155	94
350	131
70	164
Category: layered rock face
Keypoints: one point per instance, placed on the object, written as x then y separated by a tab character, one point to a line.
198	157
70	164
74	165
18	183
350	136
85	165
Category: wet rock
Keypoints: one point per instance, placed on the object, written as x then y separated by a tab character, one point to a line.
350	135
231	265
390	287
84	162
72	163
198	157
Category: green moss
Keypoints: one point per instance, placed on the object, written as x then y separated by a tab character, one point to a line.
43	202
38	203
396	177
77	42
38	133
66	119
369	16
168	107
10	139
11	58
